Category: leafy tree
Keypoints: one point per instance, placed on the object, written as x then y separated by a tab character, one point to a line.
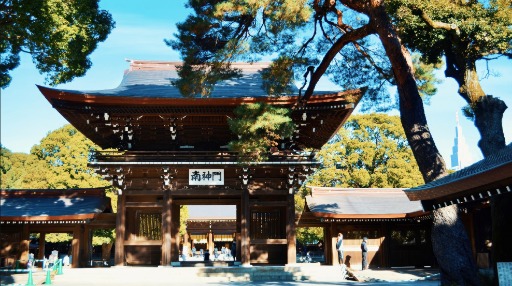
314	35
371	151
21	171
59	34
66	153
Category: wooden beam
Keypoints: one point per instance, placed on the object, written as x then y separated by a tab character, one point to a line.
254	203
143	205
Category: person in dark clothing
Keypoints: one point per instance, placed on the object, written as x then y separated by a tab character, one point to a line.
233	249
364	251
207	255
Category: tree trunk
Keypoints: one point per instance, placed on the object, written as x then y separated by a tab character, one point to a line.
105	251
488	116
488	112
452	248
456	263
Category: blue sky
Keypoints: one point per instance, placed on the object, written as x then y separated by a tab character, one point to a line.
141	27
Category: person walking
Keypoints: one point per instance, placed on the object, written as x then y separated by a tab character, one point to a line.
339	247
364	251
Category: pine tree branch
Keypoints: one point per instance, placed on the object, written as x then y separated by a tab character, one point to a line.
329	56
434	24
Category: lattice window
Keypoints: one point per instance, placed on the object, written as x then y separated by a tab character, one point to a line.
150	226
267	225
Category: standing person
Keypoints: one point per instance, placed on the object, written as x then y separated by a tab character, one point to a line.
339	247
364	251
233	249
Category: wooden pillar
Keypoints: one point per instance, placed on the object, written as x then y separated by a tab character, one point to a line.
175	232
238	231
75	247
386	250
245	242
24	244
42	240
328	245
85	246
120	230
166	229
333	238
210	246
290	230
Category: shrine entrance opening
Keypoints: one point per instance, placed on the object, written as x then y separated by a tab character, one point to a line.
211	228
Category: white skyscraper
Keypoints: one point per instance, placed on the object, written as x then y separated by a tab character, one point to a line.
461	157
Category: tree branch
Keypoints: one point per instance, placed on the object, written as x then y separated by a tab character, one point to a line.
434	24
329	56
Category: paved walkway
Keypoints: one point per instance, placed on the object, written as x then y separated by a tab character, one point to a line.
317	275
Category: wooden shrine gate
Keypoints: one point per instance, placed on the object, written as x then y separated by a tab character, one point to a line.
173	151
149	207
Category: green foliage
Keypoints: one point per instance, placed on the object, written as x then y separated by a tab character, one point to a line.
371	152
65	153
59	161
59	34
425	78
259	127
58	237
184	215
477	29
308	235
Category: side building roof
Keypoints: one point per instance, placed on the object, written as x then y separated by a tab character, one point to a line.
361	203
71	205
488	177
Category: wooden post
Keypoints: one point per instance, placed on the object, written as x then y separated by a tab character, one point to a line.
175	232
245	243
85	246
334	251
210	246
75	247
290	230
166	229
42	240
328	245
238	231
120	230
24	244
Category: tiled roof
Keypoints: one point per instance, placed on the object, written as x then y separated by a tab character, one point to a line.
154	79
51	204
485	172
360	203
